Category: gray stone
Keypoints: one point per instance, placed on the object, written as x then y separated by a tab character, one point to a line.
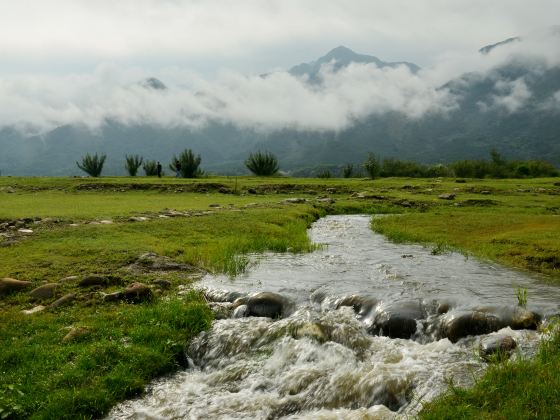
46	291
34	310
64	300
9	285
447	196
93	280
459	324
497	346
294	200
268	304
240	312
397	319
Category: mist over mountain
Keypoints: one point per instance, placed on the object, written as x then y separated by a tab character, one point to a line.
327	112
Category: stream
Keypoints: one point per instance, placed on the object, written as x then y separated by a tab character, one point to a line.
360	328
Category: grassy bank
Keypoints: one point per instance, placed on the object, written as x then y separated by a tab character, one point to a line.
91	226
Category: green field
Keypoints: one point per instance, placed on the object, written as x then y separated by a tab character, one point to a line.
83	226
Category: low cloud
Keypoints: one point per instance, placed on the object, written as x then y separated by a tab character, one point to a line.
279	100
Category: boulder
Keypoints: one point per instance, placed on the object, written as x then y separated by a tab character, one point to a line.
219	295
69	279
34	310
310	330
93	280
496	346
447	196
46	291
295	200
165	284
360	304
64	300
9	285
268	304
138	292
240	312
74	333
459	324
397	319
221	310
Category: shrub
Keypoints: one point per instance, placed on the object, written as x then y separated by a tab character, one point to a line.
189	164
372	166
150	168
325	174
133	163
262	163
92	165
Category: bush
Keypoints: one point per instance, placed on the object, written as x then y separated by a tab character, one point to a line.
150	168
133	163
325	174
92	165
262	163
372	166
189	164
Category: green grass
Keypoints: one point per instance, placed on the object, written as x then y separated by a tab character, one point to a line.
527	389
515	222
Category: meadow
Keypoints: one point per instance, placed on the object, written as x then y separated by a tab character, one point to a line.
78	358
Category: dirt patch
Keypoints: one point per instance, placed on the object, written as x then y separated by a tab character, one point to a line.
190	187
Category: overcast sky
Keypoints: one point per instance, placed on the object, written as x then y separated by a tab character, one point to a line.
80	61
250	36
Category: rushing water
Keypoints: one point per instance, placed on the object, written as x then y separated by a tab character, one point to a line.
319	360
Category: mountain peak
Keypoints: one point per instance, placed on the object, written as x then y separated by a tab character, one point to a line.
153	83
342	57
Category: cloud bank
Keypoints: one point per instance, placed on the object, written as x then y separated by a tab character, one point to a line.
278	100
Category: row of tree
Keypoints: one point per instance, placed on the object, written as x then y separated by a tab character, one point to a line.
186	165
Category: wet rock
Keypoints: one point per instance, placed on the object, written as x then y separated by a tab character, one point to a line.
221	310
397	319
497	346
268	304
64	300
218	295
240	311
46	291
516	317
34	310
94	280
9	285
361	304
447	196
74	333
459	324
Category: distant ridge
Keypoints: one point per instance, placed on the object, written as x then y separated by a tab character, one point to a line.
342	57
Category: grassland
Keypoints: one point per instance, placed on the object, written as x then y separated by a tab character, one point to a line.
86	228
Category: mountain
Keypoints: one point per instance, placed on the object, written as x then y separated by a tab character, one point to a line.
339	58
488	48
513	107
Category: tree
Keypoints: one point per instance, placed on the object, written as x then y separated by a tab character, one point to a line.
133	163
92	165
348	170
150	168
189	164
262	163
372	166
